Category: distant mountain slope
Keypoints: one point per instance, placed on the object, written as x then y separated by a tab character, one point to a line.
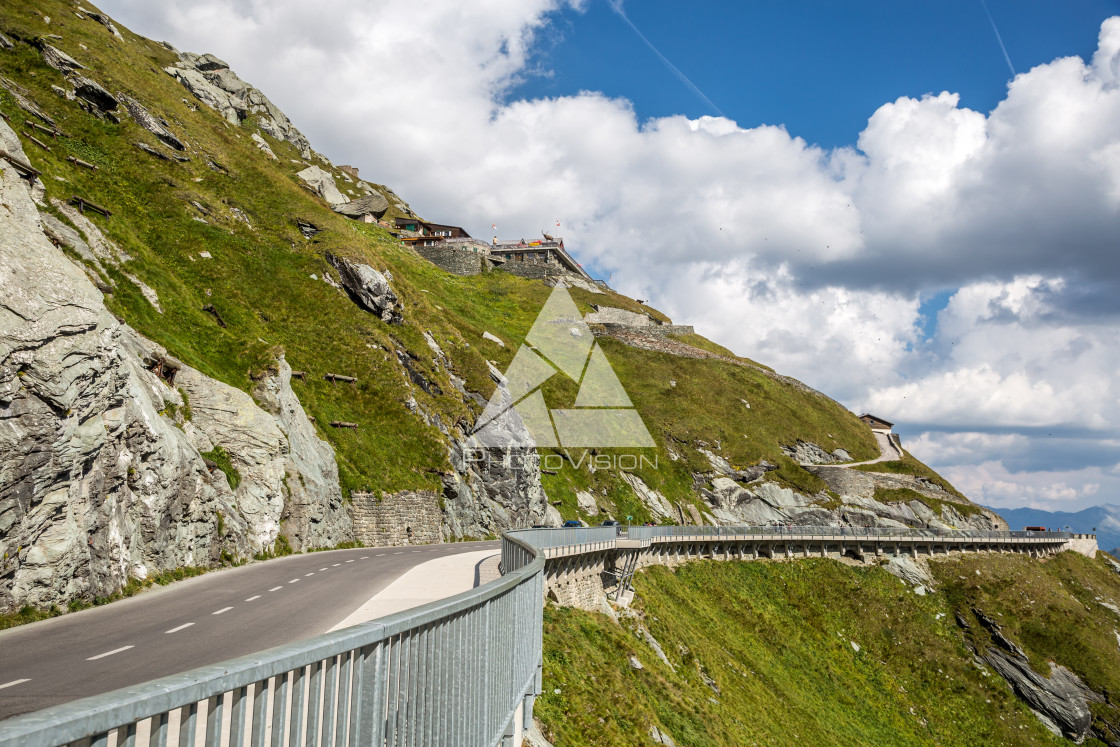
1104	520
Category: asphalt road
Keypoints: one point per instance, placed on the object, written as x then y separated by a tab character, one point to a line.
196	622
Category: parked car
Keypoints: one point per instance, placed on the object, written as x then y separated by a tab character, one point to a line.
612	523
573	523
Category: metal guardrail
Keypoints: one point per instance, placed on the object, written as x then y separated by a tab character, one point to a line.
565	537
453	672
777	532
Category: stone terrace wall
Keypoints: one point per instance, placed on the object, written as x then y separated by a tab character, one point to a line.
658	330
388	521
1086	544
457	261
533	270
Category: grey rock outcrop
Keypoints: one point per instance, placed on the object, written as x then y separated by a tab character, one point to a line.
59	60
145	119
322	183
89	91
374	204
101	475
368	288
1061	701
913	572
314	514
104	21
263	146
96	485
93	93
587	503
852	503
653	500
805	452
6	43
211	81
493	489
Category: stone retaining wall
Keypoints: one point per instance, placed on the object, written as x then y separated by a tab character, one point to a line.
650	330
1086	544
408	518
534	270
457	261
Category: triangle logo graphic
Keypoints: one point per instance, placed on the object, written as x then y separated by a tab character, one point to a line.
560	342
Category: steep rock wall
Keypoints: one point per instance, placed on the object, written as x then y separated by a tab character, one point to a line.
101	476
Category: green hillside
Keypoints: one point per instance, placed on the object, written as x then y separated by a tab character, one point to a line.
265	280
762	653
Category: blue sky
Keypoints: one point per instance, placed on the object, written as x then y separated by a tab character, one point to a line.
819	67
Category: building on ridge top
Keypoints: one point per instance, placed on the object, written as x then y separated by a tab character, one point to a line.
445	246
536	258
877	423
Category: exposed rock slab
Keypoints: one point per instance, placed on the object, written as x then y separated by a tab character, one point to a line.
374	204
264	147
94	93
95	484
805	452
323	184
368	288
314	514
149	122
59	60
101	476
211	81
1061	701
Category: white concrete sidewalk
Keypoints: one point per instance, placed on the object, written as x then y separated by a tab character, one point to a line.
427	582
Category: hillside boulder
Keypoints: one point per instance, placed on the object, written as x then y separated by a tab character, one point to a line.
373	204
368	288
149	122
322	183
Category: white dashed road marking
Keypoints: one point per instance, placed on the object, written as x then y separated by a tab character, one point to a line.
336	565
293	580
349	561
364	557
14	682
223	609
274	588
322	569
258	596
399	553
309	574
176	630
109	653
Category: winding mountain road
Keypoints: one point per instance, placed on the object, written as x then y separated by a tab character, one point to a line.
201	621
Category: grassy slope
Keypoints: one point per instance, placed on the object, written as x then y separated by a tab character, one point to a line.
260	281
775	637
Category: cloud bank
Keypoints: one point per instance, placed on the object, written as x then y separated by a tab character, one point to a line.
821	263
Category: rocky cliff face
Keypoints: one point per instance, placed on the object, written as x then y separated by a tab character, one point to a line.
102	476
214	84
